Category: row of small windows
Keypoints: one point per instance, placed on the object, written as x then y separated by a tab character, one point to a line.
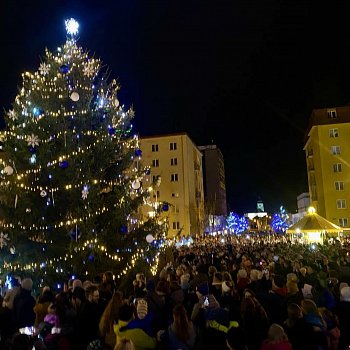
172	147
155	162
173	177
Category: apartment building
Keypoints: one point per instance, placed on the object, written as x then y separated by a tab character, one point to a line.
176	171
327	150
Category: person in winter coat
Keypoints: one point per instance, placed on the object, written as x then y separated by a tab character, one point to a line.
140	339
23	305
277	339
181	334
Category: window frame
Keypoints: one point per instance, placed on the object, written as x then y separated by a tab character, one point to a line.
341	203
334	132
337	167
339	185
335	150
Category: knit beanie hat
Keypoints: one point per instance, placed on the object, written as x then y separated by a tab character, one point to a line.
27	284
142	308
203	288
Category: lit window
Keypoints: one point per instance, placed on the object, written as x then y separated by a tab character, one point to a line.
174	177
341	203
343	222
154	148
155	178
335	150
333	132
155	162
339	185
332	113
175	209
173	146
173	161
337	168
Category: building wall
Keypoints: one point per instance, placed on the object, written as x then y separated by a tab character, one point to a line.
214	180
329	128
179	163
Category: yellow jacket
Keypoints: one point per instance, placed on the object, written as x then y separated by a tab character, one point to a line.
141	340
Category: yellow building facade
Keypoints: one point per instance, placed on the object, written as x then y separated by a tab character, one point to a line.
175	165
327	150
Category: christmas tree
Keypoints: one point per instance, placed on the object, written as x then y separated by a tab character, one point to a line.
237	224
279	221
71	174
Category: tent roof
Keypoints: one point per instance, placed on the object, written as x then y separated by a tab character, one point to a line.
312	222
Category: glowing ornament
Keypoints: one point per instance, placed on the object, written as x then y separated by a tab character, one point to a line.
136	184
138	153
64	69
3	239
44	68
165	207
12	115
91	257
131	113
37	111
89	69
43	193
149	238
74	96
28	210
84	192
12	250
8	170
33	140
72	26
148	171
116	103
63	164
32	159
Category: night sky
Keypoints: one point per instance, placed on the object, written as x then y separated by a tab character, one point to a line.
244	75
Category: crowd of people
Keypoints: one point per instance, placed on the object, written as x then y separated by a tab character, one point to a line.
243	293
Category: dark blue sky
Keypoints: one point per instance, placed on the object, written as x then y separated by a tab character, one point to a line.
242	74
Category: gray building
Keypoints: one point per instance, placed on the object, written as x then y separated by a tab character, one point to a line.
214	180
